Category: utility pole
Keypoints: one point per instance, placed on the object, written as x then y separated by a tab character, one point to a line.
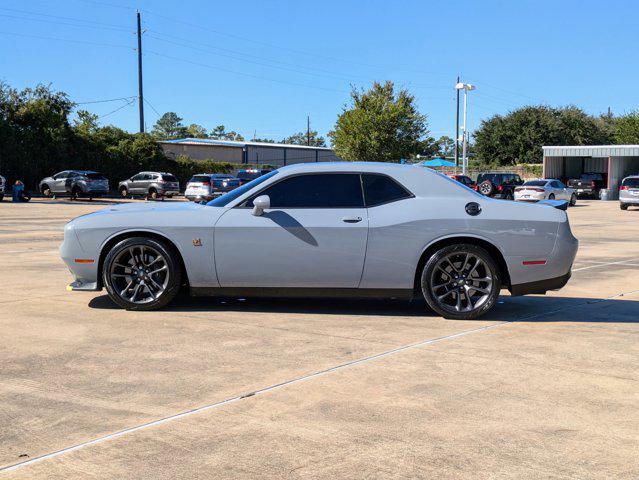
457	129
140	94
466	87
308	130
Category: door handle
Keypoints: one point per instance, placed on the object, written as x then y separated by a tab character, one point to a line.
351	219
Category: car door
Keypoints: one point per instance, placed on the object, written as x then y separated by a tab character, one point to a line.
136	184
314	235
58	184
563	192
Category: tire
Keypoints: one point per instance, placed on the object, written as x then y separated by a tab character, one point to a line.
447	295
573	200
551	196
124	192
623	206
486	188
153	194
46	191
142	291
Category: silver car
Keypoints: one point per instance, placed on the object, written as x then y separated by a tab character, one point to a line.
629	192
150	184
545	189
327	229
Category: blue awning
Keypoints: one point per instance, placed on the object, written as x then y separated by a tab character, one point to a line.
438	162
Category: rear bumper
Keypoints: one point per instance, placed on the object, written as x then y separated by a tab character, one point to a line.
540	287
629	200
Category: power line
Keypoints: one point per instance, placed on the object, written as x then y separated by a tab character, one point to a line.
242	73
152	107
85	42
106	101
127	104
86	22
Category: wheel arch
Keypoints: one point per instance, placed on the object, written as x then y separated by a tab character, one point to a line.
118	237
490	247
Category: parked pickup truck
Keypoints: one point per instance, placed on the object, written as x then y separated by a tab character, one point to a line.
588	184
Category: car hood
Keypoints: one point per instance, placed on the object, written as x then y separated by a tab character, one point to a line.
150	215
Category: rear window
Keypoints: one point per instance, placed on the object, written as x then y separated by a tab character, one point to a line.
380	189
169	178
247	175
488	176
200	178
591	176
95	176
631	183
535	183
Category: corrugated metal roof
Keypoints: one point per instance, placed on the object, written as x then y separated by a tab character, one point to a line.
591	151
233	143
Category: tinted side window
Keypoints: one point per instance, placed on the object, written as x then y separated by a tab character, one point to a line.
61	175
329	190
379	189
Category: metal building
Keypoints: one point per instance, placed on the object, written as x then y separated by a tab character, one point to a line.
252	153
614	161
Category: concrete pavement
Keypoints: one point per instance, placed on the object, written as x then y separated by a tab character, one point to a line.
542	387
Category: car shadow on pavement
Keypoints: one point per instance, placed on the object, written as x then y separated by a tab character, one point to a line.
514	309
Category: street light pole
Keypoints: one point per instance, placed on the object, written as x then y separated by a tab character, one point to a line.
466	87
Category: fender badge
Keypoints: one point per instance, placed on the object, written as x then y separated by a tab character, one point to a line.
197	242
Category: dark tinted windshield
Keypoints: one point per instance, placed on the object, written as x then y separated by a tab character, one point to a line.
200	178
169	178
591	176
95	176
238	192
631	183
535	183
317	190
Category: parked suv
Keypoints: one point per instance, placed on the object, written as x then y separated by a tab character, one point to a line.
150	184
75	183
588	184
248	175
3	183
629	192
498	184
210	185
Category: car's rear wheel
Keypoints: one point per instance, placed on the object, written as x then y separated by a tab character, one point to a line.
573	200
141	273
623	206
153	193
551	196
461	281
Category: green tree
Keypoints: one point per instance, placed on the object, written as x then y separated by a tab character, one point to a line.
445	146
313	139
381	125
518	136
626	131
196	131
86	122
220	133
263	140
168	127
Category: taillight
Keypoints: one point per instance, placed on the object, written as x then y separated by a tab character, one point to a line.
206	184
624	187
476	188
519	189
499	188
537	189
592	184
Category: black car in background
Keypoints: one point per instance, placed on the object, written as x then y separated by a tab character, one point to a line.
246	176
75	183
588	183
498	184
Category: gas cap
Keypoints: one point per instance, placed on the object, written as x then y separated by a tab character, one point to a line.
473	209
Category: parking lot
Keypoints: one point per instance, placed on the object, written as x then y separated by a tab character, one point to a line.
541	387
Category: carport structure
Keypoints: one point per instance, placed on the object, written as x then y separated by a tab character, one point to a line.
614	161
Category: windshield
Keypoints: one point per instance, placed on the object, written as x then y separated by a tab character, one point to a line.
631	182
227	198
535	183
95	176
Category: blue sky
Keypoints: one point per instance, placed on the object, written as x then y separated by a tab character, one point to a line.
264	66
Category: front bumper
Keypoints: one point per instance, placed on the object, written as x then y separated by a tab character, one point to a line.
82	265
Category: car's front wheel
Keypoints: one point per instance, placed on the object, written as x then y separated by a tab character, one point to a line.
142	273
573	200
461	281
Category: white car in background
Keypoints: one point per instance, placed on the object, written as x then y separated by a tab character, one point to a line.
545	189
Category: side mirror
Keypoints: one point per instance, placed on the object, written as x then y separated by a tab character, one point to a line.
261	203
